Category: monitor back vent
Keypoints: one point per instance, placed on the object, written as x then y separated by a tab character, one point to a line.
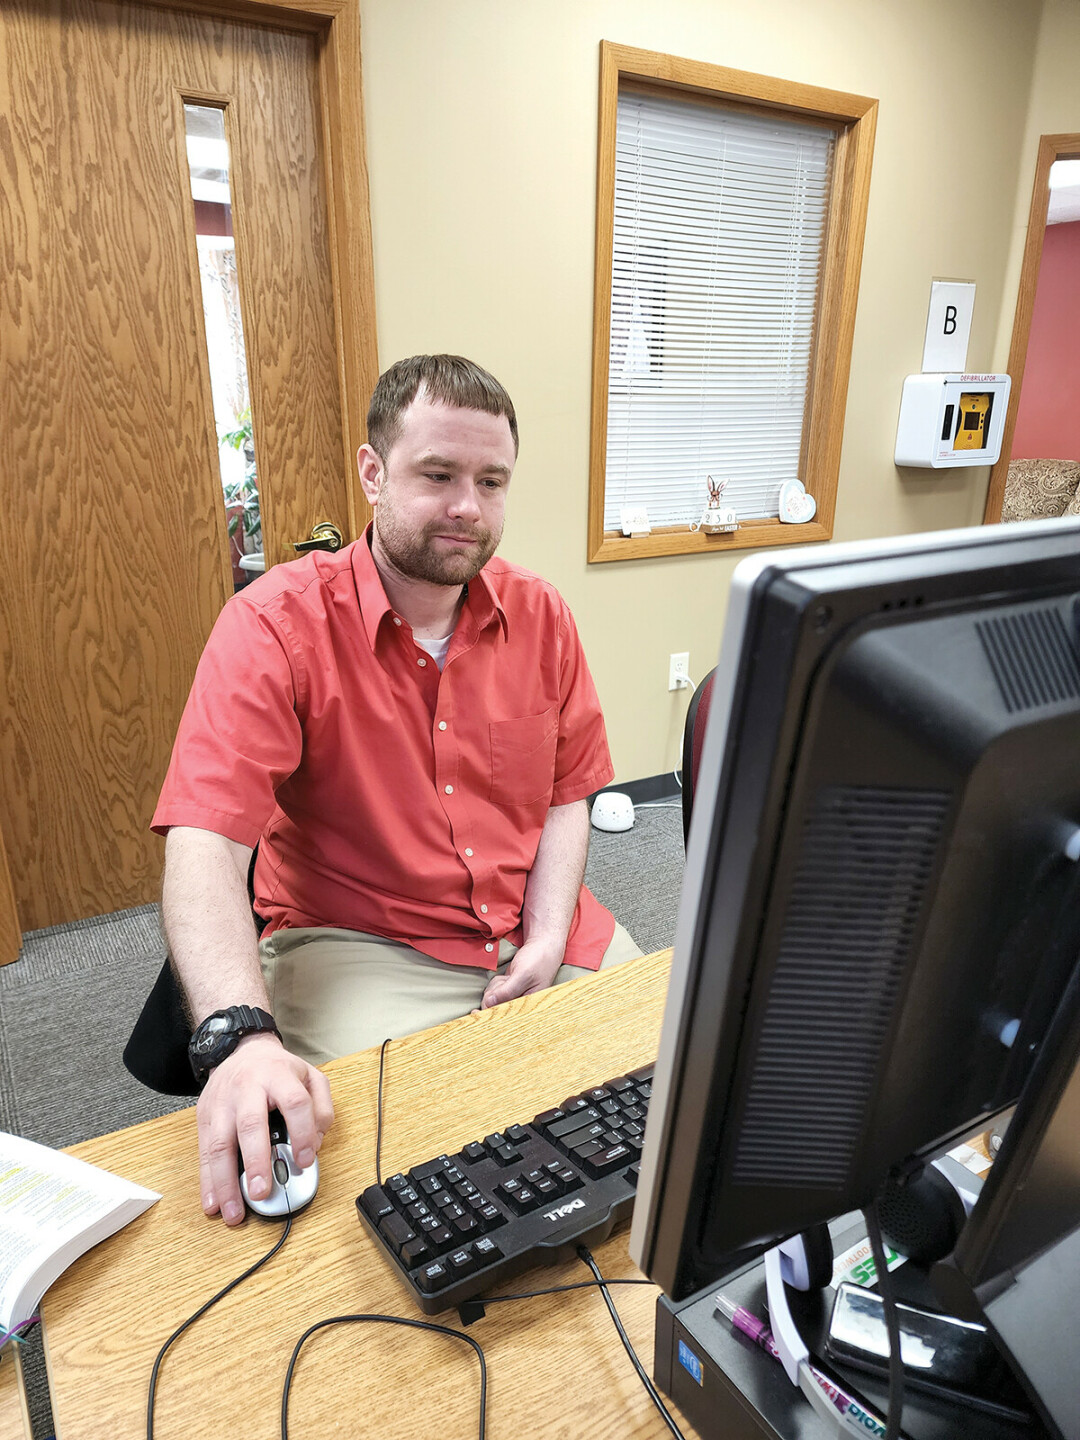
1033	656
861	882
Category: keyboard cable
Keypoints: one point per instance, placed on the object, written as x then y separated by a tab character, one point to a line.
585	1256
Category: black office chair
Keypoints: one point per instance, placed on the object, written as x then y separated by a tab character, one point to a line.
156	1053
697	715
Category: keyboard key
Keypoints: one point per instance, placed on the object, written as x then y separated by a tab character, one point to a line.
376	1203
579	1137
584	1115
548	1117
441	1238
632	1127
465	1190
474	1153
645	1091
609	1107
416	1252
408	1196
452	1176
517	1134
569	1179
644	1072
430	1185
431	1167
575	1102
635	1142
396	1182
486	1251
466	1225
427	1225
507	1155
526	1200
433	1277
492	1216
547	1188
508	1190
397	1231
635	1112
461	1263
443	1200
618	1085
615	1157
476	1202
633	1173
494	1141
453	1212
594	1097
611	1137
582	1152
417	1212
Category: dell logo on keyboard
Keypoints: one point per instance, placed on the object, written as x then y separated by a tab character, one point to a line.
558	1214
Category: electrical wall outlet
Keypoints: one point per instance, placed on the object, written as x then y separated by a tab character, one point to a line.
678	670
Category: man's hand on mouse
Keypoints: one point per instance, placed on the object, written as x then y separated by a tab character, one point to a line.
533	967
258	1076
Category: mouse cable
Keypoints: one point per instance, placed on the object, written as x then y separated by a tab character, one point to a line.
895	1413
654	1394
198	1316
378	1113
383	1320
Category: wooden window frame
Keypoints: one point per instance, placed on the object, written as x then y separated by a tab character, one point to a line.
855	120
1051	148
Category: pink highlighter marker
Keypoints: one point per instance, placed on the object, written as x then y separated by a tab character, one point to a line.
849	1411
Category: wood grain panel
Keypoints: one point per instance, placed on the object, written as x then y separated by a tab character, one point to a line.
108	464
10	932
442	1088
14	1416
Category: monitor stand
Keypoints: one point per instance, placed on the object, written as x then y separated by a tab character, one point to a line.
730	1389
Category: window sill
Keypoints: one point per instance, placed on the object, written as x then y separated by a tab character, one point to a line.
678	540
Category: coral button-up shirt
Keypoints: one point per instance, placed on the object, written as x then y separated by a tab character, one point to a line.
386	796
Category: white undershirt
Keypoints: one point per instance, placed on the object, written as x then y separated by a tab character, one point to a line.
437	648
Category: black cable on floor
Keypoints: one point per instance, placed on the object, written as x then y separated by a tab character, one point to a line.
383	1320
654	1394
895	1416
198	1315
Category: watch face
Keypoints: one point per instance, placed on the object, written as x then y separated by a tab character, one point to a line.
209	1033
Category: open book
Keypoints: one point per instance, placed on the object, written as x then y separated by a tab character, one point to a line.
52	1209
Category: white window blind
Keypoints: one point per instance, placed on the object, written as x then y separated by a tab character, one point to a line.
719	233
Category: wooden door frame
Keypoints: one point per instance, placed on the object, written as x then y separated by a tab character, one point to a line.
336	23
1051	148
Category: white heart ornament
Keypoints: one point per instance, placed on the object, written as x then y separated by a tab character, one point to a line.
796	507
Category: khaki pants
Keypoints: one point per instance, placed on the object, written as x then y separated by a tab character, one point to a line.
333	992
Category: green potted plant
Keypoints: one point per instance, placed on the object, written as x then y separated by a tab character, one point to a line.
242	497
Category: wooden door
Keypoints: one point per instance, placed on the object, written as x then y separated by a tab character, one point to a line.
110	494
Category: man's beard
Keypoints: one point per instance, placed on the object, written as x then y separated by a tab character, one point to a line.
415	556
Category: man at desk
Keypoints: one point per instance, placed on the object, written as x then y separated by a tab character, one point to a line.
408	730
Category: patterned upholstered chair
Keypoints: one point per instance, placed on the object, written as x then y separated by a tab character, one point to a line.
1041	489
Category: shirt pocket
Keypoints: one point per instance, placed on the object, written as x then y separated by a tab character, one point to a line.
523	758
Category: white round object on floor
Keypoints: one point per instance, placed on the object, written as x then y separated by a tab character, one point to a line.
613	811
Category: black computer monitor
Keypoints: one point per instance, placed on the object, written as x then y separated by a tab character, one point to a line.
879	913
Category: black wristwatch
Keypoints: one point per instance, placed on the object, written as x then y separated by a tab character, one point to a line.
220	1033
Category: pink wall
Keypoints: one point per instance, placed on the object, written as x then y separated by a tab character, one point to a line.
1048	420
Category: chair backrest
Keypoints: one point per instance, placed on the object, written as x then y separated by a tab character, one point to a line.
156	1053
697	716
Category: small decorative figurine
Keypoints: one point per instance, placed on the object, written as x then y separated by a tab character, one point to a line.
716	518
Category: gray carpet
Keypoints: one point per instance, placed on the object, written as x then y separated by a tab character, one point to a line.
68	1004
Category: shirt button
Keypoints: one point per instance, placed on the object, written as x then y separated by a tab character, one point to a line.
442	724
489	946
421	661
483	909
397	619
449	789
468	851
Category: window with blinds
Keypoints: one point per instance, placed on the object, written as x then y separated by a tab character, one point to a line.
732	209
718	246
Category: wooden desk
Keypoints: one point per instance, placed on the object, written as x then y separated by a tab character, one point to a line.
14	1416
556	1369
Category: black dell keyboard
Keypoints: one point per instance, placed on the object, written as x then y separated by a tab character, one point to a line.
459	1225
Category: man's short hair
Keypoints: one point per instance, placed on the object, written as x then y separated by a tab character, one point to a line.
449	379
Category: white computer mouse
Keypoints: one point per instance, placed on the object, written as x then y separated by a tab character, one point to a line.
612	811
291	1189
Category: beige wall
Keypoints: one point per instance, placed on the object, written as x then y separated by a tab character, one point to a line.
481	132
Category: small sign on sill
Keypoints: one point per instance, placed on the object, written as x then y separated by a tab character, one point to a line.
635	520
